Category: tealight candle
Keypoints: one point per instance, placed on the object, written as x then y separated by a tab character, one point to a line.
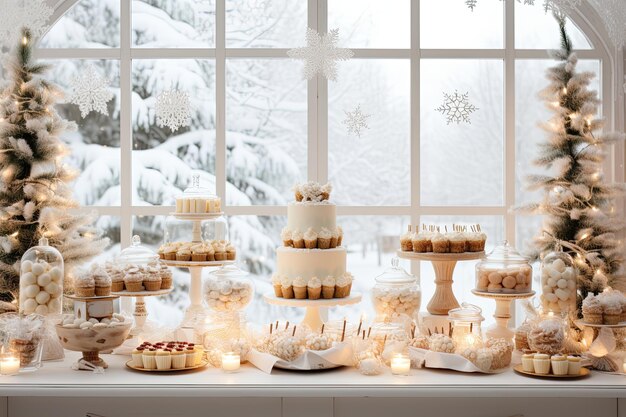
230	362
9	364
400	364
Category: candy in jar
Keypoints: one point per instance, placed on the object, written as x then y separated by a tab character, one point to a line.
396	293
41	280
504	271
558	283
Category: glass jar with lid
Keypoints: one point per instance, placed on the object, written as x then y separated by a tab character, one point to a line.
388	339
182	230
396	293
466	326
198	200
558	282
41	280
136	254
504	270
228	290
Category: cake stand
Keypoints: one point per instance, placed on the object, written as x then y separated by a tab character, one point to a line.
500	329
195	310
141	313
443	264
313	316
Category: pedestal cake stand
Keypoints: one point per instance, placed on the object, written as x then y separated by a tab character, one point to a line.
141	312
313	316
500	329
195	310
443	300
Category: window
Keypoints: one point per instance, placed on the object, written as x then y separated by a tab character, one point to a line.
257	127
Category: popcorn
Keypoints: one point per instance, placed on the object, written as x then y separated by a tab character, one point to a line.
441	343
393	302
227	294
316	341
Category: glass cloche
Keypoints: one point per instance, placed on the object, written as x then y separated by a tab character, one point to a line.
136	254
198	200
504	270
228	290
396	293
41	280
558	282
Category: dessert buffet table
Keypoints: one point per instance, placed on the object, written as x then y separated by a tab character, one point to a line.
55	390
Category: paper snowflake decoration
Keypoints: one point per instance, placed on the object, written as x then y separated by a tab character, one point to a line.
321	54
457	108
471	4
561	6
16	14
173	109
90	92
356	121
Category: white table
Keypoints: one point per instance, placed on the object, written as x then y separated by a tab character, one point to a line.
55	390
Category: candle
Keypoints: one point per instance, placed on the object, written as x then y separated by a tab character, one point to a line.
230	362
9	364
400	364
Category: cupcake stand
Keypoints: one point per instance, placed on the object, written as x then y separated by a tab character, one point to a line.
443	299
500	329
195	311
141	312
136	254
314	317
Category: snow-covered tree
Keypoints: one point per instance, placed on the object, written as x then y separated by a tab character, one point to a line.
578	205
35	197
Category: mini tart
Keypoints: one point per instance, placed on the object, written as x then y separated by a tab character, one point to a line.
190	356
528	362
541	362
574	365
163	359
178	358
149	358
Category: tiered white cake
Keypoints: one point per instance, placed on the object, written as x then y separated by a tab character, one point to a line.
312	263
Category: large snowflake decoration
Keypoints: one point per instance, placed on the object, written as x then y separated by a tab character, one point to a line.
457	108
356	121
173	109
561	6
16	14
321	54
90	92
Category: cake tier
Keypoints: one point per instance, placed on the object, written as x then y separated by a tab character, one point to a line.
302	216
309	263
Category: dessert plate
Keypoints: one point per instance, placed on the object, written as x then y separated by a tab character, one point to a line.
584	372
202	364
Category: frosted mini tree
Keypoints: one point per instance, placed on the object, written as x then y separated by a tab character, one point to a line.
35	198
578	204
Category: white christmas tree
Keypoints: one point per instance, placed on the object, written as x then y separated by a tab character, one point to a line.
578	206
35	196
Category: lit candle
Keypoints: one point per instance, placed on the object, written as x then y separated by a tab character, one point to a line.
471	340
400	364
230	362
9	364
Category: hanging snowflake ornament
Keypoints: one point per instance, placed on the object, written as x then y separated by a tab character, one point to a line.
471	4
321	54
561	6
17	14
457	108
90	92
356	121
173	109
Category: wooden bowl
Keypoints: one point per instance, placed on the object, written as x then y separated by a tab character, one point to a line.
93	341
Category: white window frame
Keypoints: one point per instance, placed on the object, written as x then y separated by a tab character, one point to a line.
317	168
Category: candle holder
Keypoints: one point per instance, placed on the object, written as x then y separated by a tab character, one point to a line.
400	364
231	362
9	364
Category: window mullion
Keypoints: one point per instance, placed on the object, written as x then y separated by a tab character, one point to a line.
415	121
126	124
312	105
220	96
322	104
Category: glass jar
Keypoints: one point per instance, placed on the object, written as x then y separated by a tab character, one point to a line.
396	293
558	283
504	270
136	254
389	339
466	324
41	280
23	337
228	290
198	200
336	331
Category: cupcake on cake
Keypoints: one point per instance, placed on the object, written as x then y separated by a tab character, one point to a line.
314	288
300	288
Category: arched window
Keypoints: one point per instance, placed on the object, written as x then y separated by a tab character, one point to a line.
257	127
